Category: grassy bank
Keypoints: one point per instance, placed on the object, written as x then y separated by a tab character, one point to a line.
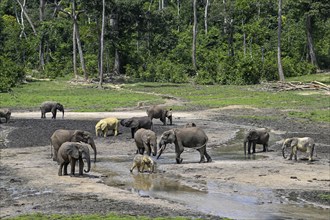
313	105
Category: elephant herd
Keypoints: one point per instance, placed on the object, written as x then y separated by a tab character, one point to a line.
70	146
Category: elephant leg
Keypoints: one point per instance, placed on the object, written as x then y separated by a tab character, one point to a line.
291	154
132	132
81	167
295	153
201	152
249	147
73	166
60	169
254	147
178	153
265	147
208	158
65	169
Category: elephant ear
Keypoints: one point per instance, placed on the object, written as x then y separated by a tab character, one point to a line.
253	135
103	125
169	113
73	152
77	136
294	142
133	123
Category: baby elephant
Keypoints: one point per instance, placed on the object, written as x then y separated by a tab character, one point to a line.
107	124
70	152
140	161
146	140
305	144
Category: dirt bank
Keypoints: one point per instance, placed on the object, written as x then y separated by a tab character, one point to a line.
29	181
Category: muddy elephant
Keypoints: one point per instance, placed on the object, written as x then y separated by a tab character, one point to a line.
52	107
106	124
142	161
70	152
60	136
5	113
254	137
160	112
191	137
136	123
304	144
146	139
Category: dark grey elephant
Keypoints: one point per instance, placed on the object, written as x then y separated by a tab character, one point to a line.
146	139
305	144
70	152
52	107
191	137
5	113
60	136
160	112
136	123
254	137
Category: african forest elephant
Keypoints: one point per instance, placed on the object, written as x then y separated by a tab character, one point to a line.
52	107
70	152
137	122
146	139
60	136
140	161
192	137
305	144
254	137
160	112
107	124
5	113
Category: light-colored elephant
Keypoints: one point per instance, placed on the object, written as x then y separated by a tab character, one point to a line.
106	124
254	137
5	113
305	144
136	123
191	137
146	139
162	113
50	106
60	136
70	152
189	125
142	161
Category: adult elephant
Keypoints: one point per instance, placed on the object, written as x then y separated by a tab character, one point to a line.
50	106
146	139
191	137
5	113
305	144
254	137
70	152
136	123
60	136
162	113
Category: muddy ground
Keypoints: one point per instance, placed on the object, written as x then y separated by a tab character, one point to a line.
261	186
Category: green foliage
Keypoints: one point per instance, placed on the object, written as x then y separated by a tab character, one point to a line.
10	74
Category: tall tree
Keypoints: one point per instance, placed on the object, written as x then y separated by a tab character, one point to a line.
207	4
42	5
194	36
279	59
101	44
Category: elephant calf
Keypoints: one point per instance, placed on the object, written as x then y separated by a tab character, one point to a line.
161	113
305	144
5	113
146	139
107	124
254	137
142	161
70	152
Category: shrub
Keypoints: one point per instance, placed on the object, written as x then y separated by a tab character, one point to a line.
10	74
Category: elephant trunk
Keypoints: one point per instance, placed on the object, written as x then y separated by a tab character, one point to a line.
162	147
88	164
63	114
91	142
245	141
283	150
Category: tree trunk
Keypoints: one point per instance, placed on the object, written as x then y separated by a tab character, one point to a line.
41	44
311	50
27	16
116	68
279	59
101	44
194	36
74	52
206	15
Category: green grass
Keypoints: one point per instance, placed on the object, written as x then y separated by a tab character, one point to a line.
39	216
83	98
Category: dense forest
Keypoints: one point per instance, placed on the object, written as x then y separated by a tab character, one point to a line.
204	41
